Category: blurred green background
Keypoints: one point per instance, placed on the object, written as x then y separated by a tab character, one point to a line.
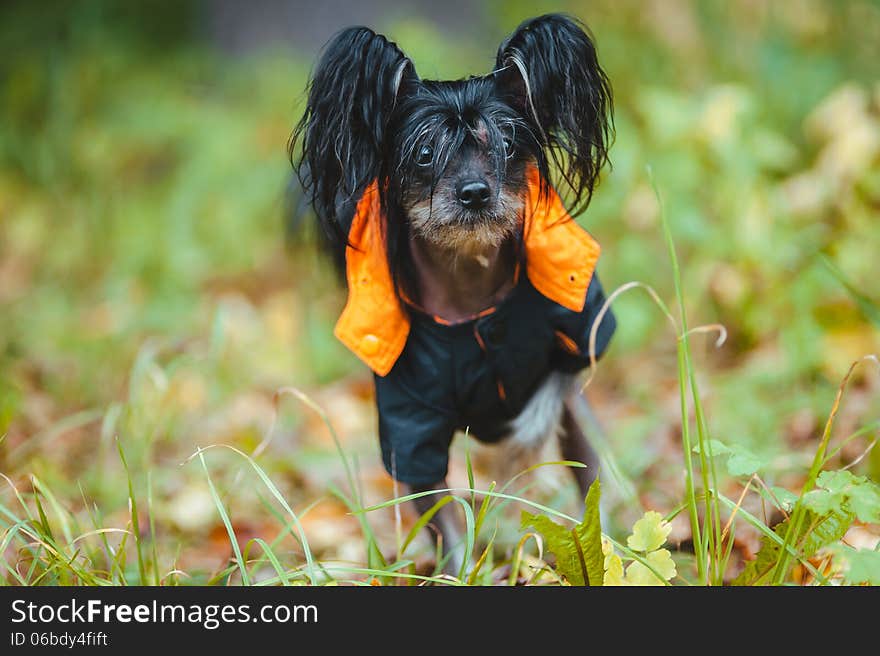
148	292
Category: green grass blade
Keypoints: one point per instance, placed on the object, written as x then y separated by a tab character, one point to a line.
270	554
368	571
516	561
867	429
690	492
423	520
60	513
469	465
9	535
275	493
44	521
798	512
373	552
496	495
230	531
475	572
684	373
484	508
768	533
154	548
868	306
528	470
469	534
374	555
135	523
96	525
287	526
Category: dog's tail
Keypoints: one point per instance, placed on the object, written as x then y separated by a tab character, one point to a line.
540	418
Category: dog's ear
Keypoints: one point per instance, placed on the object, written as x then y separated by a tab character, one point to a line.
549	69
336	147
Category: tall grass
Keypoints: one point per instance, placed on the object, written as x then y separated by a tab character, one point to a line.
712	543
707	538
44	542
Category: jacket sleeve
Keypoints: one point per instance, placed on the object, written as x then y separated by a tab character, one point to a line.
573	331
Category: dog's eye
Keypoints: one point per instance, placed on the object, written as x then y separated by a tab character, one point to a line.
425	156
508	147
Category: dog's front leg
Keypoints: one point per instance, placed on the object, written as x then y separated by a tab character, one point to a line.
444	525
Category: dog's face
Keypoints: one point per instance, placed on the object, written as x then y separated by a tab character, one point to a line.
461	150
450	156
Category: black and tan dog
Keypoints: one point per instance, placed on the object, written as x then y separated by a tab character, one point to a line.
471	291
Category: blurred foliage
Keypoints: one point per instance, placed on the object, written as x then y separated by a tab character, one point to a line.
143	266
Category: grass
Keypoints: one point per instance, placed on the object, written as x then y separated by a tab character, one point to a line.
58	552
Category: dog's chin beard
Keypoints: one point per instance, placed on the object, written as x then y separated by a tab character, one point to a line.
450	228
466	238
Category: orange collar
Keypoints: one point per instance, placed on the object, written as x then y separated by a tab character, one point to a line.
560	259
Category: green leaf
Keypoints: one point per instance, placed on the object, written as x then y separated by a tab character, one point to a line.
785	497
823	501
743	463
816	531
578	550
589	533
842	489
560	543
613	566
614	574
638	574
836	480
864	501
740	461
649	532
715	447
661	560
862	565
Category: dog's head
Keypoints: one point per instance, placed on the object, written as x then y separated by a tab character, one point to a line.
451	156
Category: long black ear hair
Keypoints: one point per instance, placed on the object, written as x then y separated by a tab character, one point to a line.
549	66
336	148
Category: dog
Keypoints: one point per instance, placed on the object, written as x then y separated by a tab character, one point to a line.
472	293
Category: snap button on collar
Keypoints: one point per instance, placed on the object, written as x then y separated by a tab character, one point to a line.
369	344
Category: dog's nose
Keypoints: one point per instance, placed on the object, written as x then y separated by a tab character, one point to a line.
473	194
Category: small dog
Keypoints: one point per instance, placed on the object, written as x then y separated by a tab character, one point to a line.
471	291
